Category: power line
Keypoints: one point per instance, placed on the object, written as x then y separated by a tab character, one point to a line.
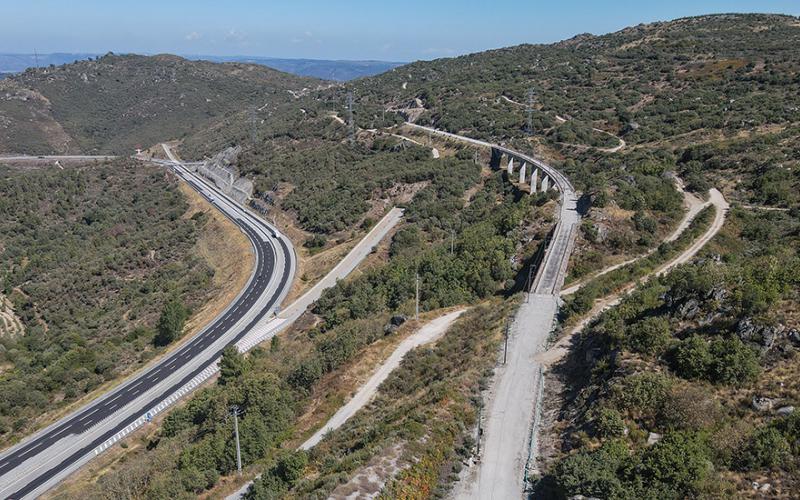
351	124
416	310
530	110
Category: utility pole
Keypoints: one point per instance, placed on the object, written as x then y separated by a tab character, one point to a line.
530	111
36	57
528	283
416	310
505	349
351	124
235	411
480	427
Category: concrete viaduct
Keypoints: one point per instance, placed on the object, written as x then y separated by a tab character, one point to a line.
529	169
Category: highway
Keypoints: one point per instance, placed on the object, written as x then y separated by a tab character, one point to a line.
46	457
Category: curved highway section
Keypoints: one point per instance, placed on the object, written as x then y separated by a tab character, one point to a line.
46	457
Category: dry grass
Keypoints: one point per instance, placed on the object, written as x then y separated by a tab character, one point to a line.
226	250
334	389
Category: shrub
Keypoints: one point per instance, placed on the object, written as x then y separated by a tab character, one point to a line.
767	448
691	358
649	336
643	394
734	363
678	463
609	423
170	323
594	473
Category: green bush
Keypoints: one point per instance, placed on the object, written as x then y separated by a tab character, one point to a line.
677	463
692	358
170	323
609	423
594	473
734	363
650	336
767	448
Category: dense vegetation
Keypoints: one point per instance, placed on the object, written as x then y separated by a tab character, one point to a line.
136	101
273	386
647	82
688	357
89	256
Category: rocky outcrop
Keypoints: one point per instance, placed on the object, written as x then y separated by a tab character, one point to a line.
762	335
394	323
221	169
763	404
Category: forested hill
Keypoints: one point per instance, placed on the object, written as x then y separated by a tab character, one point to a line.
648	81
114	103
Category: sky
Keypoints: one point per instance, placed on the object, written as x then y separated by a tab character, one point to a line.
404	30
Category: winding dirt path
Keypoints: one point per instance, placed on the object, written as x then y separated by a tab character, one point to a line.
430	332
693	206
561	347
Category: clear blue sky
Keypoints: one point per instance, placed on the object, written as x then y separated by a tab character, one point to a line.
329	29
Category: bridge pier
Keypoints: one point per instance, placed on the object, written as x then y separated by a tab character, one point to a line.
494	161
545	182
522	173
534	179
510	166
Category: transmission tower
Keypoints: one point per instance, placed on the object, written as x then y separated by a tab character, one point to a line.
351	124
530	111
253	124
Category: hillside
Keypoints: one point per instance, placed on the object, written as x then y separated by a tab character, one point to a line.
334	70
90	257
686	390
114	104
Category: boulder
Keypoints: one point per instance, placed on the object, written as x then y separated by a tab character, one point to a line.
762	335
761	403
393	324
785	411
653	438
689	309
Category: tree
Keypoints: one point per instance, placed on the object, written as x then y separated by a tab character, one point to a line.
767	448
734	362
232	365
171	323
679	462
692	358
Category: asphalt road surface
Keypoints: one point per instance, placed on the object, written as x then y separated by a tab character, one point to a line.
40	461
